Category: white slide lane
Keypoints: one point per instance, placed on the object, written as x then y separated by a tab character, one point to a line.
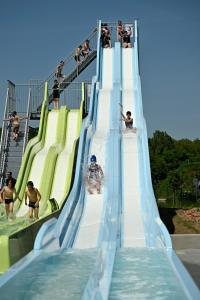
62	164
87	236
39	159
133	230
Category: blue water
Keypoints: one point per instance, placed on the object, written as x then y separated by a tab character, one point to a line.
61	275
143	273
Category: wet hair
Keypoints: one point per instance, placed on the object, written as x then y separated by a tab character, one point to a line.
128	113
14	113
9	173
61	62
55	81
30	183
12	181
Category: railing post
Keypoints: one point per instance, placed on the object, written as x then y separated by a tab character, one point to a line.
3	138
27	120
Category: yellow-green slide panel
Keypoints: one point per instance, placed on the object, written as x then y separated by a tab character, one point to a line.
64	166
5	255
43	165
52	152
33	146
53	144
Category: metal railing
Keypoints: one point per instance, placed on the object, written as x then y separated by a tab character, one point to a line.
72	96
37	93
27	121
70	64
113	31
4	137
18	99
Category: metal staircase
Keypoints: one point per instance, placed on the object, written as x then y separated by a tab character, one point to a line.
11	151
14	150
71	69
75	73
31	102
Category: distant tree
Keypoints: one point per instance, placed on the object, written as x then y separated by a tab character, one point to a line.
175	182
160	142
174	164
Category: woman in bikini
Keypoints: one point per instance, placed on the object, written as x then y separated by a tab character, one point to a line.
7	195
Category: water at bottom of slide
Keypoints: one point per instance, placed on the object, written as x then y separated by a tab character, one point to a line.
142	273
61	275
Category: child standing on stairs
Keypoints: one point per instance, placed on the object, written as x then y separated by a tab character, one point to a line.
56	93
15	121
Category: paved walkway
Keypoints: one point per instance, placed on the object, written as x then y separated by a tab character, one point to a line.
187	248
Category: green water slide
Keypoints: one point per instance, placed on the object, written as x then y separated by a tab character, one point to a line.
48	161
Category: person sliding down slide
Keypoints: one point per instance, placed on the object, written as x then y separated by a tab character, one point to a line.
94	176
128	120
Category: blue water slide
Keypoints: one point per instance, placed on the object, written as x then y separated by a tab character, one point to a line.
146	266
99	281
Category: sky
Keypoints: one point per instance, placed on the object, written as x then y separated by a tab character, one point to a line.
35	35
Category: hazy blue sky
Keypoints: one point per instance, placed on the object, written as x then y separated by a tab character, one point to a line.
34	36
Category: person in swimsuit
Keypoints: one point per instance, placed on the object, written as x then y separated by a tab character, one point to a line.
34	197
78	54
105	36
94	176
120	31
127	39
85	48
15	121
9	176
128	120
56	94
7	194
58	71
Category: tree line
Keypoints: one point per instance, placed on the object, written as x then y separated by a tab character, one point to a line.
175	169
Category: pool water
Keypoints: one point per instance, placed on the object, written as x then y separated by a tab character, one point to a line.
60	275
9	227
142	273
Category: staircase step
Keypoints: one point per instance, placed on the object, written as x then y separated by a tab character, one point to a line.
15	144
16	159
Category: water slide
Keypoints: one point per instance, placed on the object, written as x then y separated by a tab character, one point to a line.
93	140
48	162
145	266
88	230
118	248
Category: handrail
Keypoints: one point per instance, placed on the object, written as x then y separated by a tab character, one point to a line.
70	56
5	153
4	134
3	127
27	121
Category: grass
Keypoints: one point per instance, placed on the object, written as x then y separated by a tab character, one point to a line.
185	226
